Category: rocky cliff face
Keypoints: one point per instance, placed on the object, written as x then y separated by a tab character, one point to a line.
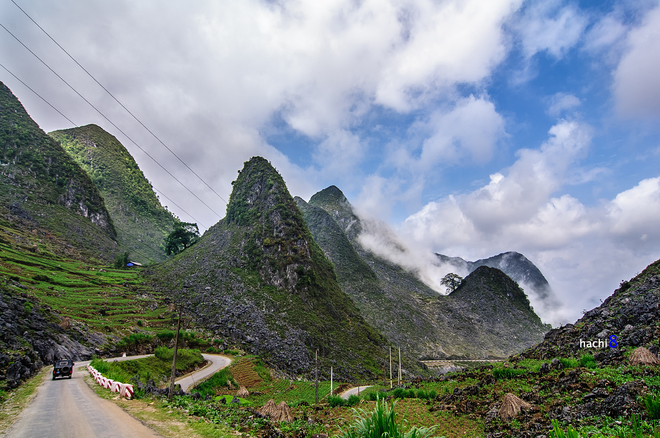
141	222
40	183
476	322
34	336
258	279
631	314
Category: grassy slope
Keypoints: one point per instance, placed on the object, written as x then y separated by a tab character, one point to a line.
106	299
141	222
43	186
259	273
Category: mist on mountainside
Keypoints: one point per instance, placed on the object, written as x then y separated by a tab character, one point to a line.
431	268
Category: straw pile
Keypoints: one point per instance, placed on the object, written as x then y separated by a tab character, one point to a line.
642	356
243	392
280	412
511	405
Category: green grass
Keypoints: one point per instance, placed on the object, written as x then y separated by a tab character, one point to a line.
215	383
382	422
107	300
157	367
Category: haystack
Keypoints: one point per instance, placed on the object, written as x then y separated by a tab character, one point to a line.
243	392
511	406
642	356
280	412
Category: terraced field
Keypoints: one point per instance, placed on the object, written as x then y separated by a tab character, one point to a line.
106	299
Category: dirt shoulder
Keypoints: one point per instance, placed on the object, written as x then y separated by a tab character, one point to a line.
170	423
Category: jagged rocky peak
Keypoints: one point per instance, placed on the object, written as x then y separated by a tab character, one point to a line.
335	203
279	243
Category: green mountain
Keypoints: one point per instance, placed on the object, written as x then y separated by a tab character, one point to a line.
141	222
487	316
258	278
42	187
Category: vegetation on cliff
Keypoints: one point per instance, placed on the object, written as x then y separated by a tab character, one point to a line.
259	278
40	185
141	221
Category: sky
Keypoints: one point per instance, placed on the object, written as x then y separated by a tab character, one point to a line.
467	128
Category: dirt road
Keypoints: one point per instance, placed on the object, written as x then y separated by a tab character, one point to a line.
68	408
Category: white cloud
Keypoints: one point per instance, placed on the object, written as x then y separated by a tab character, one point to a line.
546	26
472	128
636	79
562	102
605	33
580	250
634	214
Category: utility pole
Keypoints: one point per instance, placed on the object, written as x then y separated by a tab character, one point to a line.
331	381
316	375
176	346
399	366
390	367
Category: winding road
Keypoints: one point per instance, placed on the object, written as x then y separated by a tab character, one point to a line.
68	408
353	391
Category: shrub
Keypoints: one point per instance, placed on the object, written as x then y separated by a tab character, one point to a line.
372	396
404	393
353	400
381	422
652	404
426	395
335	400
588	361
507	373
568	362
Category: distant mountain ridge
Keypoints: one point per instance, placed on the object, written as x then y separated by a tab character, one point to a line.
513	264
479	323
140	220
41	186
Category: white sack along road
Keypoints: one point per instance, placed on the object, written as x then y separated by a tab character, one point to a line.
68	408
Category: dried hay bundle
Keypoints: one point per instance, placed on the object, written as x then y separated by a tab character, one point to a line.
511	405
280	412
243	392
642	356
269	408
284	412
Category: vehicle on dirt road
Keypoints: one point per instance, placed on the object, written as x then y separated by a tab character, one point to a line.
63	368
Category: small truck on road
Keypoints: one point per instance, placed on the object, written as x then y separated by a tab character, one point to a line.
63	368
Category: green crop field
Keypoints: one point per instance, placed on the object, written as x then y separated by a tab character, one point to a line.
106	299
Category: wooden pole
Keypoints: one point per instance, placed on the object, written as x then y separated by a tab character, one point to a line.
390	367
176	346
316	376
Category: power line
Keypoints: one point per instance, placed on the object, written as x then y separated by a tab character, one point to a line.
117	100
110	121
39	95
142	244
176	205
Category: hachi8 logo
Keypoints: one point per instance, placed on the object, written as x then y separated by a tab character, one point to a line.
599	343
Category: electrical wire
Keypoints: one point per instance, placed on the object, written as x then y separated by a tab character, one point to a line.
39	95
144	246
110	121
117	100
